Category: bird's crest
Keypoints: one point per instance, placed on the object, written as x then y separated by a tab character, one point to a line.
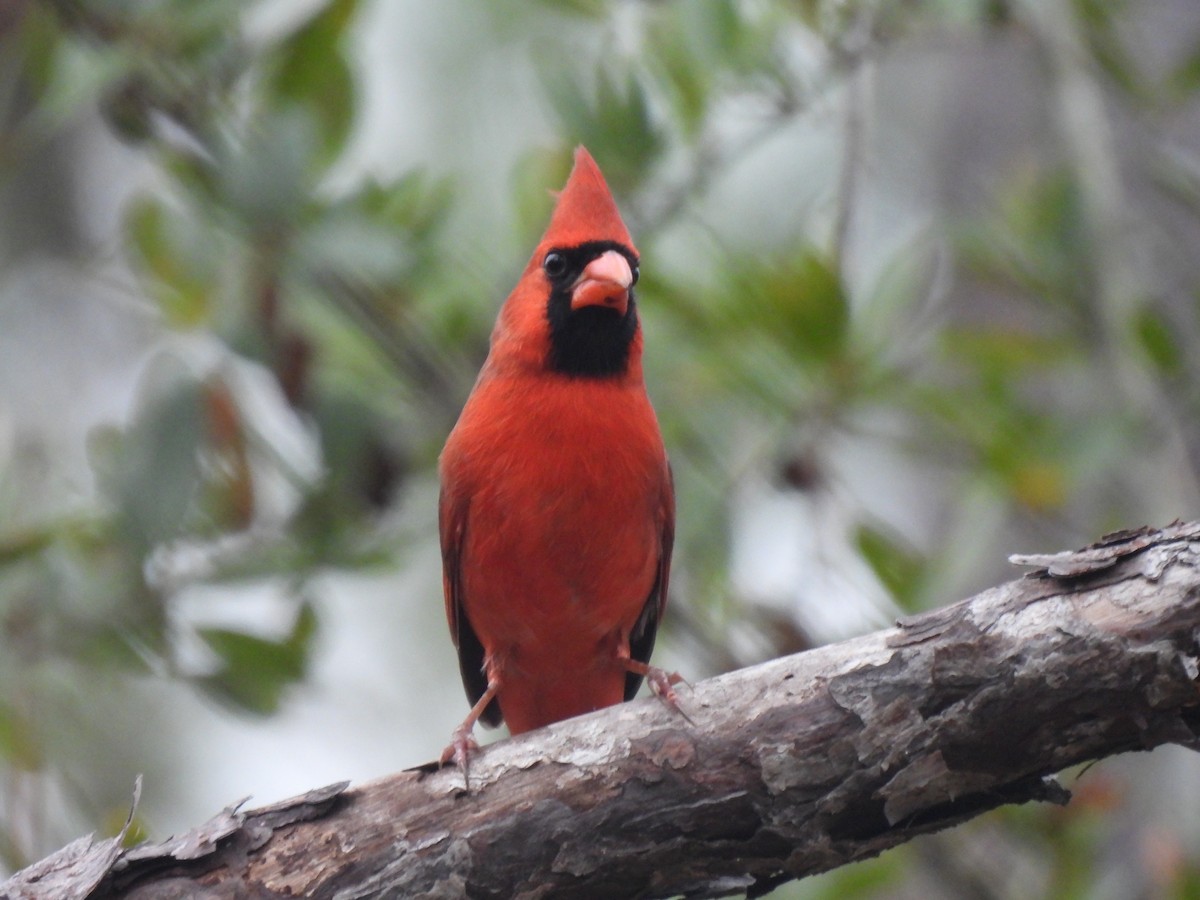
586	210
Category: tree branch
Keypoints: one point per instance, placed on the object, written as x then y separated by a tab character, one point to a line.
788	768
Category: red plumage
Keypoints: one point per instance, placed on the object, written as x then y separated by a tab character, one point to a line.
557	509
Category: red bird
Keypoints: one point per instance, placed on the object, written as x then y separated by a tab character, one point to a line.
557	510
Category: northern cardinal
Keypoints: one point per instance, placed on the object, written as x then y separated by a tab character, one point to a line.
557	510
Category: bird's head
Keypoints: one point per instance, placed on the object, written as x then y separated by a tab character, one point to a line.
573	311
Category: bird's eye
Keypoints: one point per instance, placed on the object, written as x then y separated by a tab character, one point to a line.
636	272
555	265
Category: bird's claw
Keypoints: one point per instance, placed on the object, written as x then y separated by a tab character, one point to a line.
462	745
663	684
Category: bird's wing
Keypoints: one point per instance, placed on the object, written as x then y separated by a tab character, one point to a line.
641	639
452	528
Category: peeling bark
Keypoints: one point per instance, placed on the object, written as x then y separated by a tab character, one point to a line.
787	769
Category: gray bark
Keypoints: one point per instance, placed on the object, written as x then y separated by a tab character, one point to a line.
784	769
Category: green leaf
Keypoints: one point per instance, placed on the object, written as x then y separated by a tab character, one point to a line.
1040	485
153	469
1038	242
695	45
900	569
314	74
1186	77
613	120
21	546
798	302
820	311
364	469
80	75
417	203
532	177
1159	342
591	9
871	879
19	746
1102	30
36	38
114	823
1001	351
179	260
255	671
267	179
378	236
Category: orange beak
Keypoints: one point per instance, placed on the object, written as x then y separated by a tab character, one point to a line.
605	281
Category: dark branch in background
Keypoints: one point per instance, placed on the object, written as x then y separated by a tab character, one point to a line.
791	768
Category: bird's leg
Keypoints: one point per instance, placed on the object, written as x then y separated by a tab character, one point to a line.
661	681
462	740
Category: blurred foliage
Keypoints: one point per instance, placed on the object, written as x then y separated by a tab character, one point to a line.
1032	346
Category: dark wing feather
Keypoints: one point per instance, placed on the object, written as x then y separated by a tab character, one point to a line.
452	528
641	639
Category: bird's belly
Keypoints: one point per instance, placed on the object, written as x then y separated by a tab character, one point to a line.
559	572
553	599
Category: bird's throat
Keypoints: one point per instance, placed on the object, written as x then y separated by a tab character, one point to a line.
590	342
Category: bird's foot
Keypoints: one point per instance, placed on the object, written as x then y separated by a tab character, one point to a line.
462	745
661	683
